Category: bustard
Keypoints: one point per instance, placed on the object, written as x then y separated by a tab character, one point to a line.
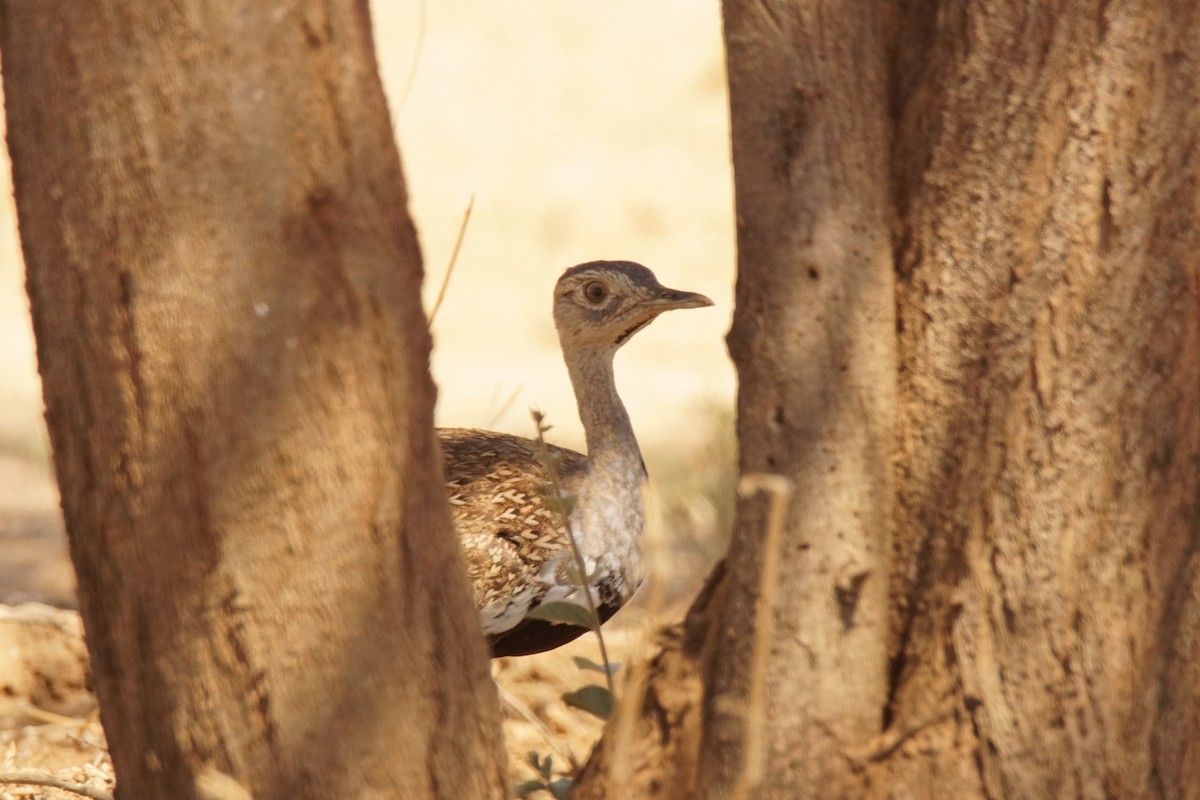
515	545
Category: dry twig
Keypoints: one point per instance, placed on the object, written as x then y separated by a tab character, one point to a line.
754	755
31	778
563	749
462	232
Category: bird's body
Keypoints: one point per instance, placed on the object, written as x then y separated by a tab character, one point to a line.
517	552
514	542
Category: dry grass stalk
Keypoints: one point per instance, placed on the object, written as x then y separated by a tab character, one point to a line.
561	748
779	490
462	232
512	398
212	784
411	74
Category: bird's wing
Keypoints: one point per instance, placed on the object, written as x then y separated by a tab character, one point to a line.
514	543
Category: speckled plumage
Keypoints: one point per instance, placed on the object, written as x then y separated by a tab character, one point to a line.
514	543
510	535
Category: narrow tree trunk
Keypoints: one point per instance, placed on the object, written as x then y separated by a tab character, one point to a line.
224	283
812	340
1042	631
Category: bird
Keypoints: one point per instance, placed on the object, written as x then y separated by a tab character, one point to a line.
513	539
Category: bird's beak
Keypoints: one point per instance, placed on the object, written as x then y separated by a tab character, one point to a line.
670	299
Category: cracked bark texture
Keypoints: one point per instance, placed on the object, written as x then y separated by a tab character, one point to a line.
1047	183
225	289
1019	490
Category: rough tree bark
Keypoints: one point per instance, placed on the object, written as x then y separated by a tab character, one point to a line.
1041	633
812	342
224	283
1048	182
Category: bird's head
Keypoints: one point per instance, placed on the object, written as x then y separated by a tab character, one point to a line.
599	305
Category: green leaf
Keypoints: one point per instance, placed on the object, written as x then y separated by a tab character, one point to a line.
596	700
561	788
562	613
529	787
587	663
542	766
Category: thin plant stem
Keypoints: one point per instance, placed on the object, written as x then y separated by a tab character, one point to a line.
562	748
779	489
462	232
512	398
416	60
580	564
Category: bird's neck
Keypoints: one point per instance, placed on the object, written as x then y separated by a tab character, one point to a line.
611	444
609	511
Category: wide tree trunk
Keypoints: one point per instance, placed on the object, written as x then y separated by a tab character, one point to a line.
1047	176
224	283
1033	628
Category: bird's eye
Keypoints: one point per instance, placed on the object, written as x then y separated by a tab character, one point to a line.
595	292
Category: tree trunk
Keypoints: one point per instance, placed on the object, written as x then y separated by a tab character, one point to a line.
1047	175
813	344
1041	633
224	283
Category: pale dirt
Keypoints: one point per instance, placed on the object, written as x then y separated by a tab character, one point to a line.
583	132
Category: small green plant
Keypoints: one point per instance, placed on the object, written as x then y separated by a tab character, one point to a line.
590	698
558	788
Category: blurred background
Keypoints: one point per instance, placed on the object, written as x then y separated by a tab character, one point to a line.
582	132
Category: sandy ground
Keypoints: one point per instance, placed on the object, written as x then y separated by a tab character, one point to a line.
582	132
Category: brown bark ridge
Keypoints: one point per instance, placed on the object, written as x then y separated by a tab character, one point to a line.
224	283
1041	621
1047	182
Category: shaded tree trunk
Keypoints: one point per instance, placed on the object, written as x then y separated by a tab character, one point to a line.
813	344
1037	628
1048	578
224	284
